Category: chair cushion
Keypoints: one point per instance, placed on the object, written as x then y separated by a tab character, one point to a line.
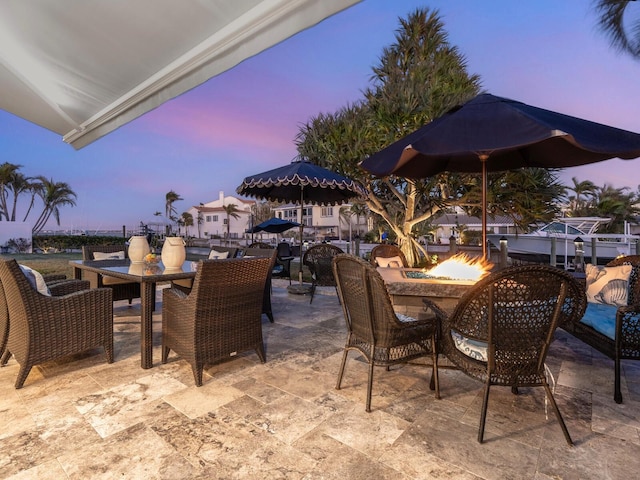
602	318
36	280
608	285
390	262
215	255
475	349
109	256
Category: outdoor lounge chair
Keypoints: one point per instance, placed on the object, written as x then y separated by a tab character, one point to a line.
380	335
318	259
220	317
501	329
612	329
390	253
122	290
44	328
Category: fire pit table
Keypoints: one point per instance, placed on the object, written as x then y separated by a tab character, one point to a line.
407	287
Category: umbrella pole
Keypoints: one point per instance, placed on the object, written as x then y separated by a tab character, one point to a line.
300	289
485	248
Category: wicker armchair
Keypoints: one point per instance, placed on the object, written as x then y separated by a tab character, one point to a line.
45	328
121	289
385	250
501	329
318	259
58	286
264	245
220	318
381	336
626	344
282	268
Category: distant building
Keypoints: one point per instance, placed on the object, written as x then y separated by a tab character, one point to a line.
452	224
325	222
210	219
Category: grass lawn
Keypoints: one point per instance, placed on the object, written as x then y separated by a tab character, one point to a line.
47	263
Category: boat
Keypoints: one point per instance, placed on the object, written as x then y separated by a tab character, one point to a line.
598	248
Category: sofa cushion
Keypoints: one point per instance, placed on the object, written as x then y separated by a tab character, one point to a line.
215	255
608	285
602	318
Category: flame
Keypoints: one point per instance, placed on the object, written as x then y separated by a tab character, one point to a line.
461	267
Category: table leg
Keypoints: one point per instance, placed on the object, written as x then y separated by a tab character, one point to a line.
77	273
147	301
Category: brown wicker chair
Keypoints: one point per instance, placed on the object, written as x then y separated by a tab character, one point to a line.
220	318
58	285
383	337
501	329
45	328
121	289
318	259
626	344
282	268
387	251
264	245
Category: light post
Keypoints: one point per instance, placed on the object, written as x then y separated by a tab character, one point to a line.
504	251
579	260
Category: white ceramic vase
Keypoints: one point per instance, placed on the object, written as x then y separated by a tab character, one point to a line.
138	248
173	252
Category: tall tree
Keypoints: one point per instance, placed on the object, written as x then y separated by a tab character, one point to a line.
621	24
187	221
8	172
585	193
170	210
418	78
54	195
230	210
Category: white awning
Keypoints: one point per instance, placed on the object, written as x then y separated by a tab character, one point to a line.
83	69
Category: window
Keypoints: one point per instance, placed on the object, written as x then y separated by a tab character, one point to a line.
215	218
208	219
224	221
327	211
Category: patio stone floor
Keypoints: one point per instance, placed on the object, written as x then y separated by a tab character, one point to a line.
82	418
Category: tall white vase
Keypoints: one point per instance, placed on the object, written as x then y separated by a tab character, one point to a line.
173	252
138	248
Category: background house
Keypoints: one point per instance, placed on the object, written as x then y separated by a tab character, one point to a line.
210	219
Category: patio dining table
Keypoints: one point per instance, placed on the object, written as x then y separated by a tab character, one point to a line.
148	276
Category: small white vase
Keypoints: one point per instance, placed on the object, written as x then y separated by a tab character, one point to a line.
138	248
173	252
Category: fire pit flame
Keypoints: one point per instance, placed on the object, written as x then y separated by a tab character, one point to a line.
461	267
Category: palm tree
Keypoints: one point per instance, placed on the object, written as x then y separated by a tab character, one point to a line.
187	221
232	211
8	172
200	219
54	195
170	211
613	16
577	206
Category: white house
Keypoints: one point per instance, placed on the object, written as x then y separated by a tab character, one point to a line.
325	222
210	219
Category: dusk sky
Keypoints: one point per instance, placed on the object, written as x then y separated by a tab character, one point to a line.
546	53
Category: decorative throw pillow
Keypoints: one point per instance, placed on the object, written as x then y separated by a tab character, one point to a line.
390	262
36	280
608	285
109	256
215	255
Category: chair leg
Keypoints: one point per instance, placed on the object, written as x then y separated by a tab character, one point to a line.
553	403
342	365
483	414
617	393
197	373
434	374
165	353
260	352
23	373
369	386
313	291
5	358
108	350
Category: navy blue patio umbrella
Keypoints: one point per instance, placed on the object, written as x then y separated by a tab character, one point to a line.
490	134
274	225
301	183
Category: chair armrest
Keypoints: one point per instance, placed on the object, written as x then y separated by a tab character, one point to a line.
53	277
66	287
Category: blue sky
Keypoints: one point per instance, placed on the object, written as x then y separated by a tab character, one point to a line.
545	53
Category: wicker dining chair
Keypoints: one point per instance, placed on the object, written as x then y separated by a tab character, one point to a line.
220	318
387	251
57	284
271	253
380	335
122	290
44	328
318	260
501	329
